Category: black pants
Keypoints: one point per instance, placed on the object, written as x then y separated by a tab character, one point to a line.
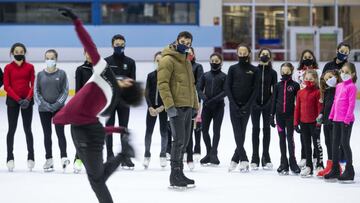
46	118
13	115
341	137
197	136
308	132
123	117
168	148
89	144
255	118
208	114
285	127
328	134
316	144
181	132
150	124
239	124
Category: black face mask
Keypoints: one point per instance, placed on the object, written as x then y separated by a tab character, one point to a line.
308	62
285	77
243	59
19	57
264	58
215	67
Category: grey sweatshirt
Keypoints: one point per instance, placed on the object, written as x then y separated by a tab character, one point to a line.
51	90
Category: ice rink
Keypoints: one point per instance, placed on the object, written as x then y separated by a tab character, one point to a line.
214	184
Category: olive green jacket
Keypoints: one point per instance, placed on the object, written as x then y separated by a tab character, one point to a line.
175	80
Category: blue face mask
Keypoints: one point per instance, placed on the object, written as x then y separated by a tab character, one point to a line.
341	56
119	50
181	48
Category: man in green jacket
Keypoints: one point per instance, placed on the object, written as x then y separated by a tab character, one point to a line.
176	85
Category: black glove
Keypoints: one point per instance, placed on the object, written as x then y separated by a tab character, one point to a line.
272	121
24	103
297	129
68	13
127	149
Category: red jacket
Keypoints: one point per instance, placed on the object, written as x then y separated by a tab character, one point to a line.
308	105
19	80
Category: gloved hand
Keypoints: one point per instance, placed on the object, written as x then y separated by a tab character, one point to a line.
172	112
160	109
319	119
297	129
24	103
272	121
152	112
68	13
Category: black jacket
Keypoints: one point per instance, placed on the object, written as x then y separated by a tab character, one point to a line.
198	71
242	85
152	94
284	96
122	66
211	88
82	75
268	79
328	101
332	65
1	78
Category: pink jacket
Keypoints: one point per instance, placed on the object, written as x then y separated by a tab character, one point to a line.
344	103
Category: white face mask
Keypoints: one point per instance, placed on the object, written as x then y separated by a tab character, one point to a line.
156	65
345	76
331	82
50	63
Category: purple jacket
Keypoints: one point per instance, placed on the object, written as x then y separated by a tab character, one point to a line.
344	102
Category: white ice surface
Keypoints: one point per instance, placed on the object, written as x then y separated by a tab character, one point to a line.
213	184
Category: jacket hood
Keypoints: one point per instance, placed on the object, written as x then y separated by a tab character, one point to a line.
171	51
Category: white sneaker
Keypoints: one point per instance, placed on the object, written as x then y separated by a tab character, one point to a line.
244	166
49	165
306	172
30	164
146	162
65	162
163	162
254	167
10	165
232	166
168	156
197	157
269	166
191	165
302	163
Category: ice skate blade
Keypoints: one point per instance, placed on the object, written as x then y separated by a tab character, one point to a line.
244	171
77	171
267	169
182	188
306	176
284	173
346	181
127	168
205	164
48	170
332	180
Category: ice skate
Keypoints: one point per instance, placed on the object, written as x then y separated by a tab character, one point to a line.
302	163
65	162
127	164
348	176
283	170
293	166
232	166
30	164
10	165
268	166
146	162
168	156
49	165
191	165
197	157
78	166
177	182
254	166
244	166
163	162
306	172
206	160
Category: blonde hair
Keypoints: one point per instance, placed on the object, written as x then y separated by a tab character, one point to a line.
314	74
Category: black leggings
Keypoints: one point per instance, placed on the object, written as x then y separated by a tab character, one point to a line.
316	144
13	115
89	144
328	134
341	137
285	127
239	124
197	135
255	118
46	118
216	114
123	117
150	124
308	132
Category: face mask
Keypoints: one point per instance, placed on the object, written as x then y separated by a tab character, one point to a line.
286	77
19	57
308	62
50	63
181	48
215	66
119	50
342	57
243	59
264	58
331	82
309	84
345	77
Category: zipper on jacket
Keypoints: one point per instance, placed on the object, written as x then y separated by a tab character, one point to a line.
262	86
284	103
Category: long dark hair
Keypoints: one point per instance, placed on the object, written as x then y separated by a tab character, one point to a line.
267	49
314	64
323	84
352	68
